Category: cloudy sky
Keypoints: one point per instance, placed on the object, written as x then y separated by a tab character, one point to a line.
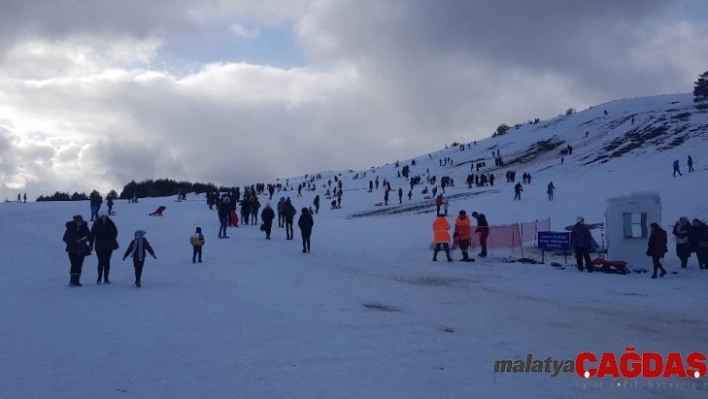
94	93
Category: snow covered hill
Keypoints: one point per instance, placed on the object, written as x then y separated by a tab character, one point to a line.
367	313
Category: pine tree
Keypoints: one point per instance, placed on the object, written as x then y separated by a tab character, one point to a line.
700	90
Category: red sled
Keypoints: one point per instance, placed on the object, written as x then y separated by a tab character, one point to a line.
158	211
611	266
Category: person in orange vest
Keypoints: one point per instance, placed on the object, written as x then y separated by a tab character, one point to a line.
463	235
441	237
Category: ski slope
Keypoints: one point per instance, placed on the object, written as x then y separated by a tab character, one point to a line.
366	313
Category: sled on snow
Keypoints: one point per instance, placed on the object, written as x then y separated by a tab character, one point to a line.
158	211
610	266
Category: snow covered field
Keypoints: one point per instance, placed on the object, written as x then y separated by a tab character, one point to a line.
366	313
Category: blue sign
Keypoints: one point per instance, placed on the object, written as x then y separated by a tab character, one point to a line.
553	241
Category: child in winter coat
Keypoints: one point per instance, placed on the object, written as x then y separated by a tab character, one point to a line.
137	249
197	241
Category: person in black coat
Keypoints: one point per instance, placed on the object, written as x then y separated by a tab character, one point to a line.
316	203
656	248
223	211
581	239
76	237
289	211
305	224
267	216
699	242
104	235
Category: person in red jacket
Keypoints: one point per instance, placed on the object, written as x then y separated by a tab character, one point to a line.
657	248
463	235
441	237
137	249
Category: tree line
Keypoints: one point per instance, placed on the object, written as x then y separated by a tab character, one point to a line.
143	189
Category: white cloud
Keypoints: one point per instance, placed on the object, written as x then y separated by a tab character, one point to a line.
83	104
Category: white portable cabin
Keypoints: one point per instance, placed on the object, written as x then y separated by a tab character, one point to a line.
627	220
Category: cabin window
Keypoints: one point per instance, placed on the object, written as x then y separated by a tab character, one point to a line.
635	224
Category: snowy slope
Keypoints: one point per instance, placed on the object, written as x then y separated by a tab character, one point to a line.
261	319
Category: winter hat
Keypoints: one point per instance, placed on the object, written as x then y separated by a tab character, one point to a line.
463	213
580	219
140	233
77	218
199	229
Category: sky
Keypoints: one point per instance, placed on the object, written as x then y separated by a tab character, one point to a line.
96	93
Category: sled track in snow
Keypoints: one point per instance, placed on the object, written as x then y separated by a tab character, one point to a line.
426	206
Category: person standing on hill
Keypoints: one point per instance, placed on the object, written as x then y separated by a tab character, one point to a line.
483	230
676	168
281	213
656	248
137	250
463	235
517	191
441	237
289	211
223	211
316	203
76	237
700	243
104	239
305	223
681	232
109	203
197	241
438	203
267	216
550	190
400	195
582	242
690	164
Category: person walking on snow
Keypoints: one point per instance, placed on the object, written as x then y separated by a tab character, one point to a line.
137	250
305	223
676	168
104	236
76	237
441	237
463	235
197	241
438	203
517	191
289	211
316	203
656	248
550	190
267	216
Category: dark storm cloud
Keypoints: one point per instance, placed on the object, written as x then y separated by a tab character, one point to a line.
591	43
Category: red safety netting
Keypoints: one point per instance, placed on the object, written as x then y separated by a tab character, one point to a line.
512	235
